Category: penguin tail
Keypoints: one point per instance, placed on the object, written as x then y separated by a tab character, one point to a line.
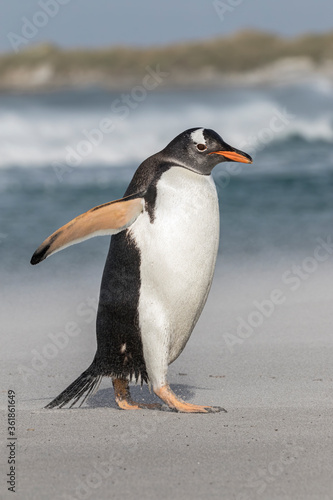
83	387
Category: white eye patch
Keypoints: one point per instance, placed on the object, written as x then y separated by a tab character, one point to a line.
198	137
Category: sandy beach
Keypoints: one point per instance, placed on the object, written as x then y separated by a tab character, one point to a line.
274	442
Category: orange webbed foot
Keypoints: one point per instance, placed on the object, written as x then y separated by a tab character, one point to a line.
177	404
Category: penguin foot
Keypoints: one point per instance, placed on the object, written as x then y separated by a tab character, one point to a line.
124	400
177	404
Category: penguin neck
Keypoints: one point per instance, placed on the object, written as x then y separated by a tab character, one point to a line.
178	163
150	171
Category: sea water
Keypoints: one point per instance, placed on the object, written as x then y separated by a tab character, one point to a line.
54	164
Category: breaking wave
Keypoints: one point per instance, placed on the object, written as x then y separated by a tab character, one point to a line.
43	132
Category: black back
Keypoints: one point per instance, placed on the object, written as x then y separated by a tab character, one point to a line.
117	317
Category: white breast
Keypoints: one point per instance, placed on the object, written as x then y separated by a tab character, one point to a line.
178	254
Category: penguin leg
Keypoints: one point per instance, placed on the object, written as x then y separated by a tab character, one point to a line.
169	397
124	400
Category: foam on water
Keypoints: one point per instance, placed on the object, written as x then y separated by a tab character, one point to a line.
46	130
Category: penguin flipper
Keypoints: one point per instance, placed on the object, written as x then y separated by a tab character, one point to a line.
107	219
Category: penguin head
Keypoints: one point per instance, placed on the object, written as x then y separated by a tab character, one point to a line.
201	149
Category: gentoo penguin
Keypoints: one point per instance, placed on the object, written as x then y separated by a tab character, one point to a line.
158	271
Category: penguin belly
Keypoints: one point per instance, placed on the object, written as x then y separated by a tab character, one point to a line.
178	250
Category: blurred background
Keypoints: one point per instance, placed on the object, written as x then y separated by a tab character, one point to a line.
89	90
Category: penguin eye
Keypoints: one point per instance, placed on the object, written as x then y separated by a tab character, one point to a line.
201	147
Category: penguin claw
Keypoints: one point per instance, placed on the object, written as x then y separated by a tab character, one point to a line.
215	409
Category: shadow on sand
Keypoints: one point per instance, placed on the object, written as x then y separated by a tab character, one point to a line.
104	398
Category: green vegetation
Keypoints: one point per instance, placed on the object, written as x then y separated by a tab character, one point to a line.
244	51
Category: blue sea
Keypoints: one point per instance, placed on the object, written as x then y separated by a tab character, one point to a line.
55	163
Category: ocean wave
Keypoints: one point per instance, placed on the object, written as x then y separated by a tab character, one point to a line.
46	135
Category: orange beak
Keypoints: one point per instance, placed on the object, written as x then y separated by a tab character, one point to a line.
233	156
